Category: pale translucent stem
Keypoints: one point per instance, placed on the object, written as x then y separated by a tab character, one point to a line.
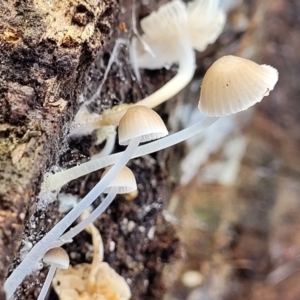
27	266
109	145
59	179
185	74
68	236
47	283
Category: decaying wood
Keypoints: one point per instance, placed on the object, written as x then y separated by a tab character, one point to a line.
46	52
46	48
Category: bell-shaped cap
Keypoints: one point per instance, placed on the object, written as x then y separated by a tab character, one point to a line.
57	257
233	84
168	22
141	121
164	31
124	181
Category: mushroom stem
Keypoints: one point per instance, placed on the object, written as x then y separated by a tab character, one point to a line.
118	161
98	254
28	264
56	181
68	236
109	144
185	74
47	282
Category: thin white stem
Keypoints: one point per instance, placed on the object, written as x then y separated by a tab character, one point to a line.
185	74
47	282
186	62
28	264
59	179
109	145
69	235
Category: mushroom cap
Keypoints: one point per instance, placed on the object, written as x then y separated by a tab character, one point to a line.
168	22
206	21
58	257
124	181
233	84
164	30
141	121
198	24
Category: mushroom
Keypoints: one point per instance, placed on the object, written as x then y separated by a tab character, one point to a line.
172	33
233	84
123	183
153	128
91	281
56	258
120	159
209	87
138	118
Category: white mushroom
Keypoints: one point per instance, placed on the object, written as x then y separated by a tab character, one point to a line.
123	183
91	281
119	159
233	84
56	258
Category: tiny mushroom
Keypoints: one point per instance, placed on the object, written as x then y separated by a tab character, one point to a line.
120	159
171	34
233	84
137	130
123	183
91	281
139	124
56	258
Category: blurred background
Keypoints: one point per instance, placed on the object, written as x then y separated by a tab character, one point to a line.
237	207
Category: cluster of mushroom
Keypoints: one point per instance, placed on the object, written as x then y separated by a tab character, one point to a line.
231	84
98	280
91	281
171	35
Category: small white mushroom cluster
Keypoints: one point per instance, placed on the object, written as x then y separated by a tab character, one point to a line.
232	84
171	36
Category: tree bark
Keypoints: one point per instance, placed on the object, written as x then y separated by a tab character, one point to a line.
46	52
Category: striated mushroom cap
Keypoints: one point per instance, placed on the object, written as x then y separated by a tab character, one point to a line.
168	22
124	181
163	30
141	121
58	257
206	21
199	23
233	84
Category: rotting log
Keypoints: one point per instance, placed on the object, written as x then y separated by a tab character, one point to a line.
46	52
